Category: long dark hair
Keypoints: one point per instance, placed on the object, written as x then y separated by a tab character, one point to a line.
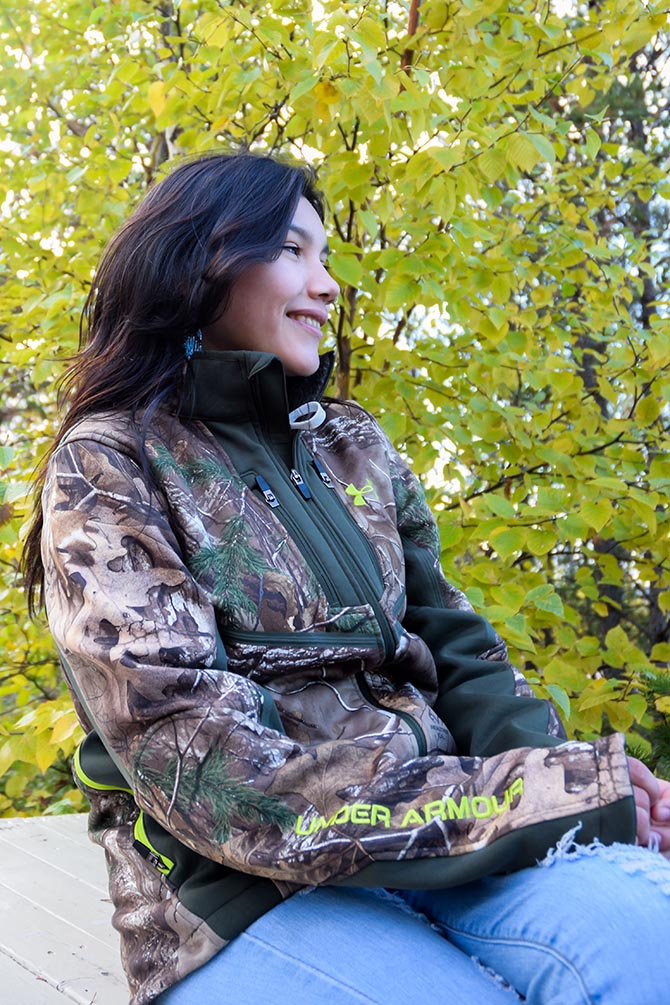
167	272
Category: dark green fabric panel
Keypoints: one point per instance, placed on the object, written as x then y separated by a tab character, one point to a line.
98	765
226	899
270	716
517	850
422	583
250	423
476	697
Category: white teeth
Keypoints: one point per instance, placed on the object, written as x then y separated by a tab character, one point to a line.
312	322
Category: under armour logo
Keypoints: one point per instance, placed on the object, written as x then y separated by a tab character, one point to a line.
367	489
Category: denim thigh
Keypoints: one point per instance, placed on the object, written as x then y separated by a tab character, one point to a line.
589	925
339	947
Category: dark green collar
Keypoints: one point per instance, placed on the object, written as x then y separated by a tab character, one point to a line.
246	386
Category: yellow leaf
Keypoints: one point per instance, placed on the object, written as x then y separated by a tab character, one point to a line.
325	92
220	124
347	268
646	513
45	753
157	97
7	758
508	540
492	164
64	728
648	410
540	542
617	640
619	715
559	671
521	152
215	30
594	700
663	704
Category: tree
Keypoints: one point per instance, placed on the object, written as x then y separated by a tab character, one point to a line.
495	177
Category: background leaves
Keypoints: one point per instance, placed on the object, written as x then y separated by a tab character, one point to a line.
497	179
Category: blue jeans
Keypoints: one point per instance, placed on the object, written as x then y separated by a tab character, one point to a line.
592	926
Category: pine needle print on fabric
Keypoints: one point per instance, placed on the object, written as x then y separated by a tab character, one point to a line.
224	566
209	786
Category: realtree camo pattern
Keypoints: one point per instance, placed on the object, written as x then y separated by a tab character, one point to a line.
162	941
134	579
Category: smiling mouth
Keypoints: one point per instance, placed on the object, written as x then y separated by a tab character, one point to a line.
308	321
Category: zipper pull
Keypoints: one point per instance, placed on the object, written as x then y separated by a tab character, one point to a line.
323	474
300	484
270	497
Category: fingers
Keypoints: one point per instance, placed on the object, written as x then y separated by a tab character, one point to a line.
643	812
661	808
652	805
644	785
641	776
660	815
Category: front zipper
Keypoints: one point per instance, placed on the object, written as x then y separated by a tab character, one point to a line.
311	556
313	559
322	640
308	553
409	720
374	588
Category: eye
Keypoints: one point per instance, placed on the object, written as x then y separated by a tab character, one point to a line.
293	249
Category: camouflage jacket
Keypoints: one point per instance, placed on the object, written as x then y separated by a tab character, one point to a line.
258	631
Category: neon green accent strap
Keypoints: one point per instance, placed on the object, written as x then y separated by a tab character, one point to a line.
160	862
88	781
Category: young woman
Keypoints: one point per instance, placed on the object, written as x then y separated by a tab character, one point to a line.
281	693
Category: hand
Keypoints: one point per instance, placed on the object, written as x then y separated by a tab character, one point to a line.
652	804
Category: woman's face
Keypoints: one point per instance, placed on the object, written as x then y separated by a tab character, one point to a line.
282	306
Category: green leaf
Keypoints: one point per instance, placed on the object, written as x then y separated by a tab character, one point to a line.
347	269
543	146
597	514
539	542
560	697
617	640
545	599
508	540
593	143
500	506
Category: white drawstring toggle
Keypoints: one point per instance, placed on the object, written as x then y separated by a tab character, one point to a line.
308	416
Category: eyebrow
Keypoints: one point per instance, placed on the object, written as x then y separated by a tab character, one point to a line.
306	236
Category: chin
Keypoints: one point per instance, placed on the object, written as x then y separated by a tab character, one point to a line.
302	368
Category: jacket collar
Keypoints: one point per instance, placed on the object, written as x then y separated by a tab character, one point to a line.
241	386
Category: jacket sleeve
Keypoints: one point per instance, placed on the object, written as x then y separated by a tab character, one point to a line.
200	746
485	701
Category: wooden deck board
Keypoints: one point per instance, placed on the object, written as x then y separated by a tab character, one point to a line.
19	986
56	937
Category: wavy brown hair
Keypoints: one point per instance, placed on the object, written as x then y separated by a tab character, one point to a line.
167	272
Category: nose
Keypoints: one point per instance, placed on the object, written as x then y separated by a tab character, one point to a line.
324	287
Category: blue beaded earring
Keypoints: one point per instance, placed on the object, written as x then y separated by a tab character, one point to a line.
192	343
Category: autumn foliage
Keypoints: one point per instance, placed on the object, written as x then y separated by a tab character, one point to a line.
496	176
